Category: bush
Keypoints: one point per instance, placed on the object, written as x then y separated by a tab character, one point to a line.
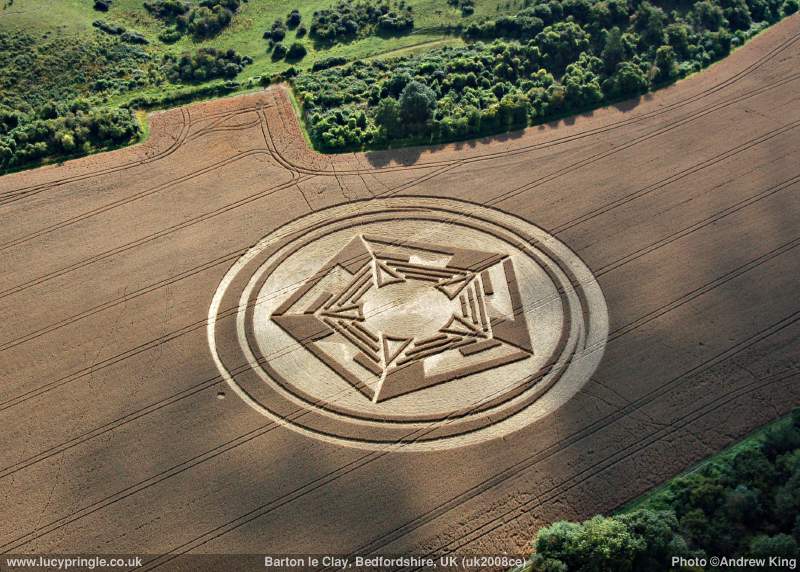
206	64
467	7
330	62
204	20
37	71
108	28
358	18
168	10
169	35
293	19
183	96
642	540
277	33
278	51
296	52
134	38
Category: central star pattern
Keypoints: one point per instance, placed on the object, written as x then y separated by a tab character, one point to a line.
483	325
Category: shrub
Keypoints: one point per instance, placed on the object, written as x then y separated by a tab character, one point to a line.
134	38
169	35
467	7
108	28
203	20
296	51
277	33
329	62
357	18
168	10
293	19
278	51
206	64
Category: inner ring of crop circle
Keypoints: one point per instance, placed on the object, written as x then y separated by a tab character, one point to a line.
256	311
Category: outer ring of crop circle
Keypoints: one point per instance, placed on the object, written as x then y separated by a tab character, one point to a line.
577	369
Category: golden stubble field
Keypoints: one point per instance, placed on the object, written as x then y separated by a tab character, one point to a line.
660	235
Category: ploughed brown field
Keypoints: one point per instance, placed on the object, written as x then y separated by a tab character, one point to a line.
123	432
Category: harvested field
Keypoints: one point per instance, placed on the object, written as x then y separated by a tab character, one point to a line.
660	235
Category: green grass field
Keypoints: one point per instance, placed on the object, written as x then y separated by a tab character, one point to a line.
72	19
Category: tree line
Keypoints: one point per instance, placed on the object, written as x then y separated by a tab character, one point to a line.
58	130
745	503
551	58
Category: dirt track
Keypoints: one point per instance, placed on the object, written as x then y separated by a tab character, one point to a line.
684	206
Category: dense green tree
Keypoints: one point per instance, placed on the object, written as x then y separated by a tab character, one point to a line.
666	65
543	56
387	115
787	495
628	80
780	545
205	64
657	531
609	13
75	128
561	44
582	82
614	51
203	20
356	18
649	21
708	16
737	13
580	10
599	543
417	102
679	37
396	83
724	507
277	32
781	439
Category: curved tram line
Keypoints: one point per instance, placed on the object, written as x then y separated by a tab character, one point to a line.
556	231
453	163
600	424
